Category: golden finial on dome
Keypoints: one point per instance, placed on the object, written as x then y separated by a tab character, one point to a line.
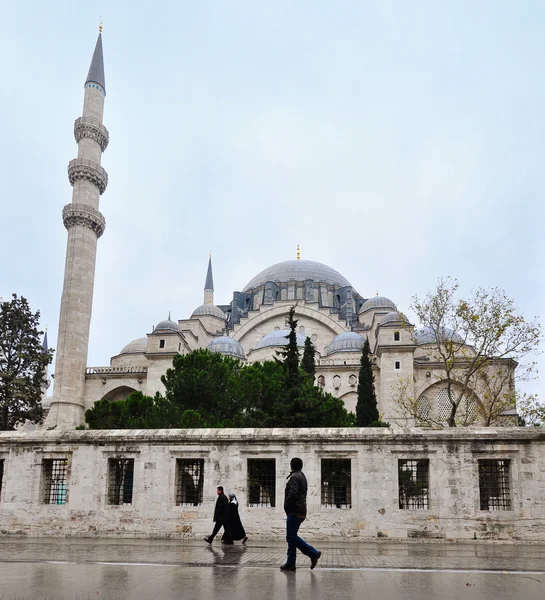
100	26
298	253
377	292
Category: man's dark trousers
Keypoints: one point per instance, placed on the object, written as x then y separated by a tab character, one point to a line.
217	526
295	542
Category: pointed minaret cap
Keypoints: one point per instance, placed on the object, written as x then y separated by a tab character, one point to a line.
96	70
209	283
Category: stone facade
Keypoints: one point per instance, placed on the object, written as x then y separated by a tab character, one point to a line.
368	506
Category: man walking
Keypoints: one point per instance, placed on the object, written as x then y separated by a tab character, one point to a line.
221	517
295	506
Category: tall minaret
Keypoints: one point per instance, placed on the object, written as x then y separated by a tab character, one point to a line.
209	284
85	224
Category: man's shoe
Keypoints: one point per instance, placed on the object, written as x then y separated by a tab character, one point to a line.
207	539
314	560
287	567
245	539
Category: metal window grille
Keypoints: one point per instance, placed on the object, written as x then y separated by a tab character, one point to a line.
189	481
413	477
1	474
262	482
120	480
423	409
444	405
336	483
55	480
494	489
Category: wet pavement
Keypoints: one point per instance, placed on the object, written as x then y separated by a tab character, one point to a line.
155	569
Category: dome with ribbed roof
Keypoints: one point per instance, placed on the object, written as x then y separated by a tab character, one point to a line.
167	325
137	346
426	335
228	346
279	337
298	270
208	310
377	302
349	341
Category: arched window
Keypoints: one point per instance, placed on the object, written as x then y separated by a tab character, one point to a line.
336	382
321	381
444	405
423	409
352	380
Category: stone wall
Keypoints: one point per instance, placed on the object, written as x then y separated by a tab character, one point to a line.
454	502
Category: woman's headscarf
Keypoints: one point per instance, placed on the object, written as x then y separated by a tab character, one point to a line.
232	498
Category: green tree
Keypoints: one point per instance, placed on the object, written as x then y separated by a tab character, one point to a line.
366	407
289	355
136	411
308	363
23	364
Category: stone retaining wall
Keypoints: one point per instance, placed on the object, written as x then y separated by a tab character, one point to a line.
454	498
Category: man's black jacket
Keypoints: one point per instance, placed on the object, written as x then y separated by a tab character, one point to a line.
221	512
295	497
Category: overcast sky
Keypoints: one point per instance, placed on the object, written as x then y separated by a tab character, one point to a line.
396	142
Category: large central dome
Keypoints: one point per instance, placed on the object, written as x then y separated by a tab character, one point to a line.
298	270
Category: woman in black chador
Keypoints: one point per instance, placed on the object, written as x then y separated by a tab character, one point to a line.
236	530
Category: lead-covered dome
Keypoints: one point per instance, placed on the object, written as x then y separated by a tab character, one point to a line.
426	335
393	317
208	310
136	346
228	346
278	337
298	270
349	341
377	302
167	325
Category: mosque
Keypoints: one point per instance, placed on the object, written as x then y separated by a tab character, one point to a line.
250	327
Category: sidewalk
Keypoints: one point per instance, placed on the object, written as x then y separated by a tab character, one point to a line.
337	555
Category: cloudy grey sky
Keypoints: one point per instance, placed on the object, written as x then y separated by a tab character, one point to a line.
396	141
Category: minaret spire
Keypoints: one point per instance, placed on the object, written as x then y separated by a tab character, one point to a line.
85	224
209	283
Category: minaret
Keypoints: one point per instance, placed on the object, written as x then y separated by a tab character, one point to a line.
209	284
85	224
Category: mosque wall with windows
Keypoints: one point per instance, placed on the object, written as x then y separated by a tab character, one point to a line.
460	483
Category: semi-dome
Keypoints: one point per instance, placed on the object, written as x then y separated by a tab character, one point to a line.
228	346
377	302
136	346
278	337
350	341
426	335
208	310
167	325
298	270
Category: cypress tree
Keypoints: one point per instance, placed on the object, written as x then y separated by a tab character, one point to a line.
308	364
366	408
290	352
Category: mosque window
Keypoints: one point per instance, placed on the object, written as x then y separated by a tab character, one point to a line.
352	380
396	336
321	381
120	480
336	483
262	482
55	478
1	475
494	489
189	481
413	483
161	343
398	364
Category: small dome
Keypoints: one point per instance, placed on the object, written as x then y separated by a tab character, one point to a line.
426	335
393	317
208	310
136	346
377	302
278	338
167	325
346	342
226	345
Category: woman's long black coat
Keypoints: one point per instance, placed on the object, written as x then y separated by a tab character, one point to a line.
237	529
